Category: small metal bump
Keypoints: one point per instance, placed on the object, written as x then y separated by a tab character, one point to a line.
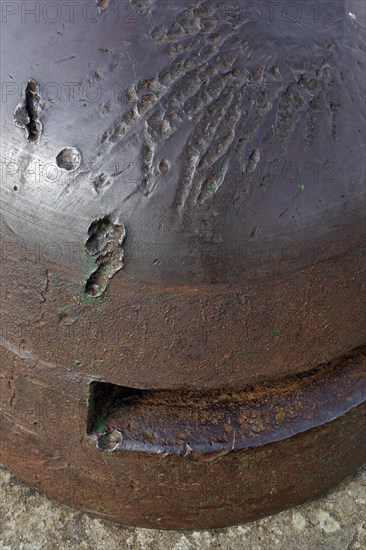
69	159
109	442
164	166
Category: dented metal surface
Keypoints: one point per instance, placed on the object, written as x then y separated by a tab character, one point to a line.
182	256
26	114
104	246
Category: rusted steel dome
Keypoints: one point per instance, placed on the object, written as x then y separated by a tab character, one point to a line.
182	240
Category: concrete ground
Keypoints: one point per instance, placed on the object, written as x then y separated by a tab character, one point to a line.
336	521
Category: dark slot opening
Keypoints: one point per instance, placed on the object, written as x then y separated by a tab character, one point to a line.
104	398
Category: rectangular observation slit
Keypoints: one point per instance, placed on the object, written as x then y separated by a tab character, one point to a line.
174	421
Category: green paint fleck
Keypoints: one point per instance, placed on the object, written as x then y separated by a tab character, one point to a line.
243	298
360	253
97	301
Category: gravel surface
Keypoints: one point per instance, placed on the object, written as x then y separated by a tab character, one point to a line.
335	521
